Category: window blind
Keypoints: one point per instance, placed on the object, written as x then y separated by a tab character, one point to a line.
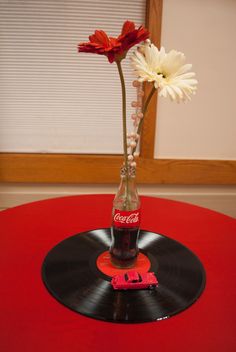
53	99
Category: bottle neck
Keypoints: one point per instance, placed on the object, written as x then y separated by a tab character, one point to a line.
127	196
127	179
130	173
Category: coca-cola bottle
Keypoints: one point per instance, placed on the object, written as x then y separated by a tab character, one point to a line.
125	221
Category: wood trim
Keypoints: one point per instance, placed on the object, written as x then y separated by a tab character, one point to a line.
100	169
153	23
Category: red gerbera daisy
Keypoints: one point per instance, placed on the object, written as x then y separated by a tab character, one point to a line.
114	48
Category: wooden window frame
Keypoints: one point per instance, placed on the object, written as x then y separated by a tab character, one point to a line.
100	169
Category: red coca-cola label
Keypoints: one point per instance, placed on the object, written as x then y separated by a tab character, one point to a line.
126	218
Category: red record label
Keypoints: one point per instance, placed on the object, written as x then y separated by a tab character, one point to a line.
104	264
126	218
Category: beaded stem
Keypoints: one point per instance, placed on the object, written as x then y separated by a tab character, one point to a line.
144	112
122	81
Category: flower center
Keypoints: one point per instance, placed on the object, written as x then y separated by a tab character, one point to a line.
161	74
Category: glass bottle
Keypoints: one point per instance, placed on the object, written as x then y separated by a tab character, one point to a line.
125	221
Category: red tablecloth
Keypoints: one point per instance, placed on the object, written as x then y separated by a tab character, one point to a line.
33	321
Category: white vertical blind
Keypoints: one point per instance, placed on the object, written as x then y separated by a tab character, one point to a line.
53	99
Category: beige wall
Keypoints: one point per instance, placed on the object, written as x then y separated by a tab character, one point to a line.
204	128
219	198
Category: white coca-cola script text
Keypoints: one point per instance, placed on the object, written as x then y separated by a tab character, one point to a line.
128	219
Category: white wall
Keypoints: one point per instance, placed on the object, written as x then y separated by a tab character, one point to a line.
204	128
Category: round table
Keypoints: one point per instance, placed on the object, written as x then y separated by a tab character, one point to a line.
32	320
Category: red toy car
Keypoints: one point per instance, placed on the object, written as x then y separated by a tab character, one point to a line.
132	280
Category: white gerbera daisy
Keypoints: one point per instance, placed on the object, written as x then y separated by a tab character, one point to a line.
168	71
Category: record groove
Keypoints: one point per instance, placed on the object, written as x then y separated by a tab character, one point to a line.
71	275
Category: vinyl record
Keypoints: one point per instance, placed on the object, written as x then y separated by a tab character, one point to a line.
71	275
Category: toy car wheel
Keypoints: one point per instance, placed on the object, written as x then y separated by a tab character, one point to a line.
152	287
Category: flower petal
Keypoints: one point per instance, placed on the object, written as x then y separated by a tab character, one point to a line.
115	48
168	71
100	37
128	26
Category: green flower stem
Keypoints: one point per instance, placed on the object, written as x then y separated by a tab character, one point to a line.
144	112
122	81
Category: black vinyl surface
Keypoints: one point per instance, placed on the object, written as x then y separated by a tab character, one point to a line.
70	274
